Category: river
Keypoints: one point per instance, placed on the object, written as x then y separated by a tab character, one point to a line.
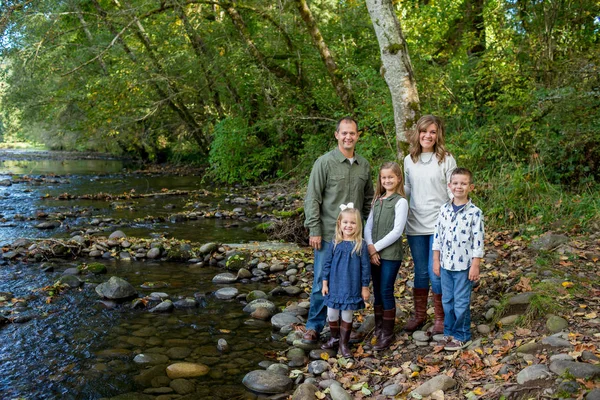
76	348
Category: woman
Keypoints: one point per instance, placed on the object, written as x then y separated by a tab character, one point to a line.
427	171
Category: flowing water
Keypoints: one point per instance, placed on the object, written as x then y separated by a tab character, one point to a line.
76	348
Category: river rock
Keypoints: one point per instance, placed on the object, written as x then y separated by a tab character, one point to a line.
529	348
296	310
95	268
116	289
532	373
509	320
117	235
208	248
577	369
556	324
185	304
222	345
521	298
153	253
253	305
278	368
391	390
71	281
226	293
165	306
255	295
237	260
187	370
225	277
283	319
179	353
305	391
421	336
182	386
440	382
292	290
244	273
593	395
548	241
49	225
557	342
151	359
337	392
317	367
261	313
267	382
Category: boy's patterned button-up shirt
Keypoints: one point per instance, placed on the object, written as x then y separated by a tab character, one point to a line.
459	236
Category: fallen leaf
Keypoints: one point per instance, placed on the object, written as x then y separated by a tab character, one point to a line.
568	284
591	315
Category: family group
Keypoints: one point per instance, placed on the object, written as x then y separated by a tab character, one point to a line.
429	199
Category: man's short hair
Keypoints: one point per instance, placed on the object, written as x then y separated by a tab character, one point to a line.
462	171
346	119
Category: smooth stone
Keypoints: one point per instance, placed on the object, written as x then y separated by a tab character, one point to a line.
509	320
71	281
153	253
529	348
182	386
561	357
222	345
337	392
391	390
305	346
556	324
186	370
165	306
483	329
226	293
305	391
283	319
521	298
185	304
292	290
317	354
255	295
554	341
261	313
593	395
208	248
117	235
116	289
280	369
439	382
295	352
533	372
293	336
225	277
296	310
244	273
262	381
489	314
254	304
577	369
421	336
317	367
151	359
179	353
548	241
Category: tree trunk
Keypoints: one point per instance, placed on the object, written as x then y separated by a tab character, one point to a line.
343	92
397	68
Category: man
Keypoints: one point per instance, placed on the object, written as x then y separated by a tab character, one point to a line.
338	177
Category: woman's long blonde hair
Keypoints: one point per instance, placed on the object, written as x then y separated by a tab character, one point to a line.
357	237
439	147
380	190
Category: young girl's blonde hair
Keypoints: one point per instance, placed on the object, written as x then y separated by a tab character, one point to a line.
357	237
380	190
439	147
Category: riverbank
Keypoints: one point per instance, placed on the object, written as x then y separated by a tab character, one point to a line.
535	316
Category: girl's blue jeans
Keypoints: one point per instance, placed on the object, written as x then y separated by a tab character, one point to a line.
384	276
420	248
456	300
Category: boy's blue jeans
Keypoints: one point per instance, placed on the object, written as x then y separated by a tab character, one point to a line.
456	300
384	277
317	313
422	254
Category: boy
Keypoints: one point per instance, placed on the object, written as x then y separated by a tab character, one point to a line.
457	252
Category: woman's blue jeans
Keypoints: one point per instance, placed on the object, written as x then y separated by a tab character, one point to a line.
456	299
384	277
422	254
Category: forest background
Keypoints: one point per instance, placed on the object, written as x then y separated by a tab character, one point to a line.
252	89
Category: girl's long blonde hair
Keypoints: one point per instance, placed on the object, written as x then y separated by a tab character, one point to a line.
439	147
357	237
380	190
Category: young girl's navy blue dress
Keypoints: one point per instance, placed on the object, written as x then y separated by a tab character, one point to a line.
346	274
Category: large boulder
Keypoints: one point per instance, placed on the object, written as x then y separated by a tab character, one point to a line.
116	289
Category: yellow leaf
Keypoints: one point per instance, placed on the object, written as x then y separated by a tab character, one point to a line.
324	356
395	371
508	336
568	284
478	391
414	374
320	395
583	306
224	331
591	315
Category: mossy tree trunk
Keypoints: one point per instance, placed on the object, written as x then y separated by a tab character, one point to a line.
397	69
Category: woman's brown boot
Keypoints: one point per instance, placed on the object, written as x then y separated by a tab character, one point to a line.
334	339
438	322
420	301
387	330
378	311
345	330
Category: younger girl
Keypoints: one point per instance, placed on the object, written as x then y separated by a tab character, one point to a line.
346	277
383	233
427	171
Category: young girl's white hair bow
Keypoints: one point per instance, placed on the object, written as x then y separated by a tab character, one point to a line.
345	206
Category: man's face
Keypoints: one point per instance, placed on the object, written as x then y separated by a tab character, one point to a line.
347	136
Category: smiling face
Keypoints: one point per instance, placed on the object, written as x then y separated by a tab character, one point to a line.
389	180
460	185
347	136
428	138
348	225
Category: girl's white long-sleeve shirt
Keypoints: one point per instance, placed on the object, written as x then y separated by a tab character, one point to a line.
400	215
426	185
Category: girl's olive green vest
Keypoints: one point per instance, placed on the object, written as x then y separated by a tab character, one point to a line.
384	214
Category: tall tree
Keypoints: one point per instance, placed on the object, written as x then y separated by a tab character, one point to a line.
397	68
